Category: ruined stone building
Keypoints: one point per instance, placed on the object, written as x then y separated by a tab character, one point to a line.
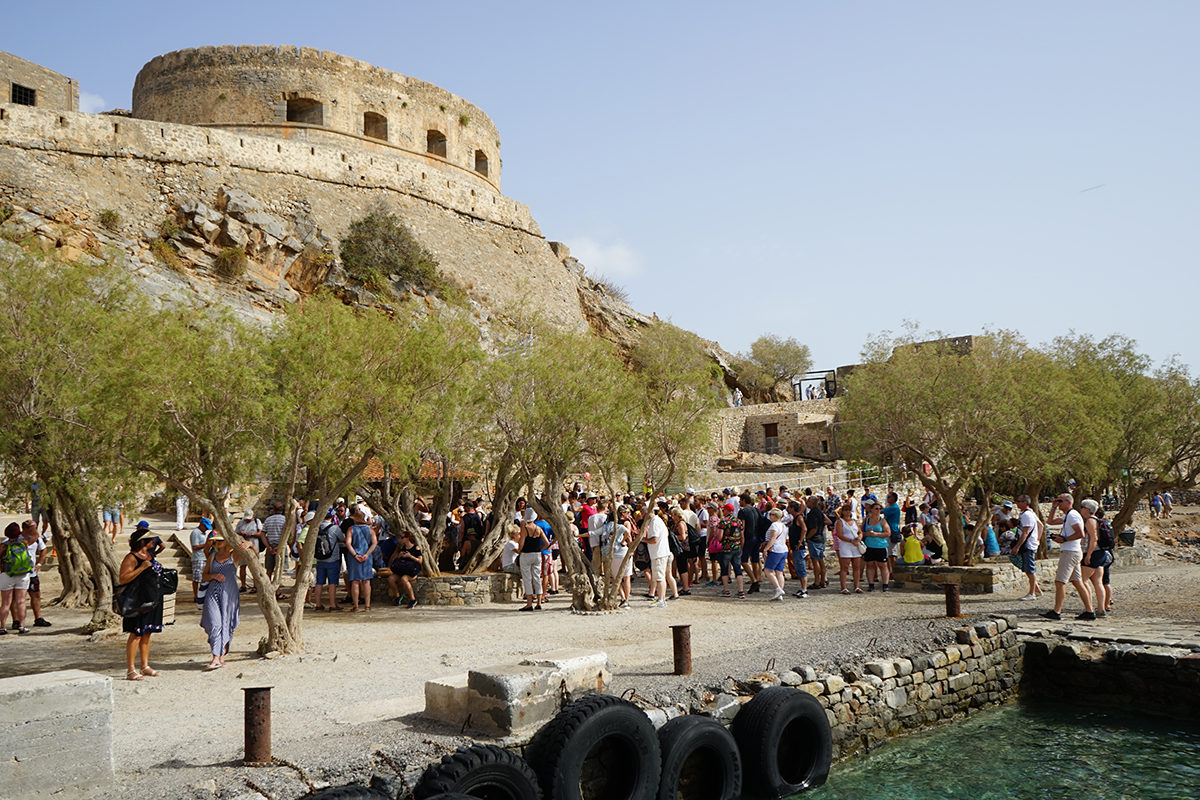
24	83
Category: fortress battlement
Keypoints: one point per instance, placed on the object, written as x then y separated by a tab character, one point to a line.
309	153
279	87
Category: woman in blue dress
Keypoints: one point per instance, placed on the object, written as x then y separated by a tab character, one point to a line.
360	545
222	602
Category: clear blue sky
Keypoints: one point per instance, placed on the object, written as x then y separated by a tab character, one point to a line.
817	170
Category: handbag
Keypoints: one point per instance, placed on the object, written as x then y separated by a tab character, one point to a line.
168	581
131	604
862	547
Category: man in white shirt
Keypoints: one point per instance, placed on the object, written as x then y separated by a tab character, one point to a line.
595	522
1026	545
1069	559
660	560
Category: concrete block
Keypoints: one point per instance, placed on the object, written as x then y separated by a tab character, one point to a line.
446	699
507	699
581	670
56	733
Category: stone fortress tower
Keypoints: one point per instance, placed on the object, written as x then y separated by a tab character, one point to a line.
302	94
273	151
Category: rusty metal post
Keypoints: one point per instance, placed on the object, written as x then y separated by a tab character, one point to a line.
681	638
258	726
953	608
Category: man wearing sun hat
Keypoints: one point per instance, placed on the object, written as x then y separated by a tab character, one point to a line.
198	539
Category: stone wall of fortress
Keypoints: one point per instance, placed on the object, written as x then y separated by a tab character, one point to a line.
268	86
68	167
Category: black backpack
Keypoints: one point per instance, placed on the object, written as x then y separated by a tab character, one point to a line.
325	542
1105	538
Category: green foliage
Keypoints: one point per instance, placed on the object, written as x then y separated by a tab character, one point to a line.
678	393
6	212
464	120
166	254
110	219
231	262
772	360
168	228
442	107
1001	412
380	245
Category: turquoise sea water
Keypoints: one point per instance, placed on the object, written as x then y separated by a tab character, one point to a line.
1029	752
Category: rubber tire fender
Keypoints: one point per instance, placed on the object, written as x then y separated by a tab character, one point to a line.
484	771
718	774
612	737
786	745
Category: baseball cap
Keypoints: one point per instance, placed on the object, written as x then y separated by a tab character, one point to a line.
691	491
205	522
868	501
248	513
729	506
143	525
1007	504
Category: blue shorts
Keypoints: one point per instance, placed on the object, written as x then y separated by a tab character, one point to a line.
1028	561
775	562
730	559
111	515
798	563
816	551
328	573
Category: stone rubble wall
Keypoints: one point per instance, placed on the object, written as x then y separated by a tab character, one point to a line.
459	590
1155	679
235	84
882	699
61	170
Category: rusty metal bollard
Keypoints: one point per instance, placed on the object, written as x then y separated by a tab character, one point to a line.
953	608
681	638
258	726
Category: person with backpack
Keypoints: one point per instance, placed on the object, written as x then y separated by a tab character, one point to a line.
328	556
1098	534
16	567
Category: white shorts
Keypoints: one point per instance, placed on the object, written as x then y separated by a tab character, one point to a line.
10	582
660	568
1068	566
848	549
615	565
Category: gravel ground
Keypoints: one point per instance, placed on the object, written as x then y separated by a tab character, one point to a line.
357	690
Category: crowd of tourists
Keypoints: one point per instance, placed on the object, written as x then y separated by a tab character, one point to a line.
725	542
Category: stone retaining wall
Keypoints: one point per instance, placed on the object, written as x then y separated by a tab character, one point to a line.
881	699
997	574
459	590
1150	679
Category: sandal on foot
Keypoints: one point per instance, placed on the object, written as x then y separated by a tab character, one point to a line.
150	673
133	675
845	591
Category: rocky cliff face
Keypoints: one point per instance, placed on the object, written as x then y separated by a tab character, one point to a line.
179	206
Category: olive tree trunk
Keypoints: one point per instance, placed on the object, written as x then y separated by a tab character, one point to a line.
80	514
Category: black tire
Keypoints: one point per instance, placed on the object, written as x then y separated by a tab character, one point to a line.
700	761
785	742
600	740
483	771
452	796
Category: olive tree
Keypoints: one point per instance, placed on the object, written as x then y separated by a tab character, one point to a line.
66	331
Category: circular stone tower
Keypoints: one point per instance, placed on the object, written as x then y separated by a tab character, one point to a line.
292	91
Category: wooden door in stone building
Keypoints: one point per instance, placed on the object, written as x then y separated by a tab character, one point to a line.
771	437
